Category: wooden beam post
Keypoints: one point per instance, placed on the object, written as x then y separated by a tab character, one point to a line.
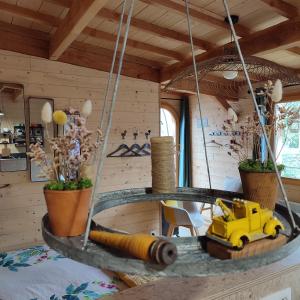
78	17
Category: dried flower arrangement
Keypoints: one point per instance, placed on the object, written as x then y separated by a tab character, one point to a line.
71	153
248	146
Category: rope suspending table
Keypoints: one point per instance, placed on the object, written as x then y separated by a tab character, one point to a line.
192	260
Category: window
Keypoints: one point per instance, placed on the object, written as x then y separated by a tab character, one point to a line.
254	211
168	124
168	127
288	145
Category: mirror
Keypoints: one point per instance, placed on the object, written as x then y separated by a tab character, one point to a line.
38	132
12	128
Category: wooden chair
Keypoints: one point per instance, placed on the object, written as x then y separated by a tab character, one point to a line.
176	217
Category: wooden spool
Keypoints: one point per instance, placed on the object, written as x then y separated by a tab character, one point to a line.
163	164
163	252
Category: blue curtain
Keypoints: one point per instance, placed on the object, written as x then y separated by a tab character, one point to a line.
184	172
185	177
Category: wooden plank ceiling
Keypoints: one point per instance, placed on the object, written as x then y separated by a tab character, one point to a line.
83	32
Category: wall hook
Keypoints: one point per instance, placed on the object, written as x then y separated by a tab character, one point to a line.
147	133
135	134
123	134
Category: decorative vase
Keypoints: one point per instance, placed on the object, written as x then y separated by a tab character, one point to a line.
261	187
68	211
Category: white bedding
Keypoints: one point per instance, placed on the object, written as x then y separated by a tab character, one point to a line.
39	273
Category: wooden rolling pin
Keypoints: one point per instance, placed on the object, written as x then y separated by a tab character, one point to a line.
143	246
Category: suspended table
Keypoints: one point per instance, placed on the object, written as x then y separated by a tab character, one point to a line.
192	259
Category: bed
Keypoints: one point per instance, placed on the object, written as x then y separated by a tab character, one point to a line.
40	273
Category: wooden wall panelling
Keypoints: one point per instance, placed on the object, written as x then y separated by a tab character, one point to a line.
22	203
292	190
220	163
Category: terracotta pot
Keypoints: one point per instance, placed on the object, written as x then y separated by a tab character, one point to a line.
261	187
68	211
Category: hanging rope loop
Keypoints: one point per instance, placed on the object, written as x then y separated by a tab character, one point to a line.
197	89
103	149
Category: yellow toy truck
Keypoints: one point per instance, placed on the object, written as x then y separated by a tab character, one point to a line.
245	222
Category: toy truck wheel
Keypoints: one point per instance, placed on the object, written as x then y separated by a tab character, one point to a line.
275	233
271	228
241	243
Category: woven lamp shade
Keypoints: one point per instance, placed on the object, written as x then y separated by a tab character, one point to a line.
163	164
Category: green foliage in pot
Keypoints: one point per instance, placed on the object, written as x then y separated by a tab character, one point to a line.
250	165
83	183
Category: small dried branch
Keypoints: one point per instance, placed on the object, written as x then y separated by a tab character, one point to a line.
70	153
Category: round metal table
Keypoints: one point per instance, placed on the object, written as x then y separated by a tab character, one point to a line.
192	260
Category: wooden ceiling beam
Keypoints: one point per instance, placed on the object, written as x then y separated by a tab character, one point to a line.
13	38
44	19
35	43
273	37
62	3
207	90
156	30
88	56
78	17
222	90
16	29
295	50
223	102
133	43
29	14
282	8
107	52
197	15
149	27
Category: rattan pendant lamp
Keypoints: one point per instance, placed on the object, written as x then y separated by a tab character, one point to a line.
229	66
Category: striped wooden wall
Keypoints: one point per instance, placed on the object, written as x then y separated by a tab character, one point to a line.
22	204
221	165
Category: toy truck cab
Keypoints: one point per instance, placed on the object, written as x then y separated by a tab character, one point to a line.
245	222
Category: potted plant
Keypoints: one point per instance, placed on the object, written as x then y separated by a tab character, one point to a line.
68	193
248	145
